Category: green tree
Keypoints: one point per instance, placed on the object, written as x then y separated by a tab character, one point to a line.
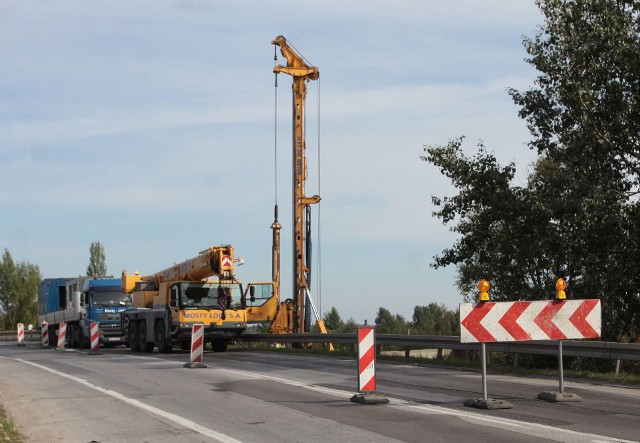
18	292
97	260
504	235
387	323
578	216
435	319
332	321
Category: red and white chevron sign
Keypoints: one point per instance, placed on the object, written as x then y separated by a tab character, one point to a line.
530	320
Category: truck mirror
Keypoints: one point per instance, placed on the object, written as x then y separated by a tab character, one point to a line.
252	293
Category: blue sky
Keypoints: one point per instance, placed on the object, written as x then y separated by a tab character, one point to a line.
149	126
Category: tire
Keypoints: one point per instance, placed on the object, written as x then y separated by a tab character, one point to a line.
162	342
72	342
53	338
133	336
145	346
219	345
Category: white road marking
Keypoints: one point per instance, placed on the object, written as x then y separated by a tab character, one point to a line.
138	404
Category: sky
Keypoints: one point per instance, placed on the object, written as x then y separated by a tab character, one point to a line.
155	128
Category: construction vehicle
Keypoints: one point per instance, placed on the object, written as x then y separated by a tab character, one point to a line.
292	314
164	301
80	301
302	72
168	303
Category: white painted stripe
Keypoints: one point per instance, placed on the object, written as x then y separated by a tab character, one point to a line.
561	319
366	375
491	321
526	321
138	404
595	318
366	343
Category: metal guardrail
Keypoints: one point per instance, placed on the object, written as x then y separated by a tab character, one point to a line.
570	348
33	335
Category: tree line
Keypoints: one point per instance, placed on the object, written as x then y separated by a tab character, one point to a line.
433	319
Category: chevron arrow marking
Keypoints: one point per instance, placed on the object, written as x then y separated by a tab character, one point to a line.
545	320
471	322
509	321
530	320
580	321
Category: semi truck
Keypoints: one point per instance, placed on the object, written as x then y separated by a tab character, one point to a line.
202	289
78	302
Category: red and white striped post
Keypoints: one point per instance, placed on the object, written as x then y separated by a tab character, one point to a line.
367	368
197	346
62	336
44	330
21	335
95	339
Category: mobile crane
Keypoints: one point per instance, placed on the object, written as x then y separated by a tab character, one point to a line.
168	303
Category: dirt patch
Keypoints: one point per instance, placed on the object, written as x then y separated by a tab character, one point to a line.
423	353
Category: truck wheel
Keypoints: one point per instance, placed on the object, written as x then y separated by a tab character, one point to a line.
218	345
162	341
71	334
133	336
145	346
53	338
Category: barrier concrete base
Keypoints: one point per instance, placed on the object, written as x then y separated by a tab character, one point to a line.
370	399
95	352
195	365
489	403
556	397
62	349
21	344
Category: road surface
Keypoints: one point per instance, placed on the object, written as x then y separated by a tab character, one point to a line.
271	397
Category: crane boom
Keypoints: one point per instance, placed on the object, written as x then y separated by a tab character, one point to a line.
214	261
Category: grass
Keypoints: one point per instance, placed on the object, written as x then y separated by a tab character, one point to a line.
8	432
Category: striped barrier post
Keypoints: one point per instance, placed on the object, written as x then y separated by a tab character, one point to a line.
62	336
44	330
197	346
367	368
95	339
21	335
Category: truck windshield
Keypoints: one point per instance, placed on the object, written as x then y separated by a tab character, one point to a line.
110	298
205	295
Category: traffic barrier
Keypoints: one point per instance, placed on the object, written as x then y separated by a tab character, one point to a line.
367	368
62	336
197	346
21	335
95	339
44	330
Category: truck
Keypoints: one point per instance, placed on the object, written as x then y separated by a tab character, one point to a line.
202	289
78	302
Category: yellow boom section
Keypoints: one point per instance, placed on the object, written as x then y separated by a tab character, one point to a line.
215	261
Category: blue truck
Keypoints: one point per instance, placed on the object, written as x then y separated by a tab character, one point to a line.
78	302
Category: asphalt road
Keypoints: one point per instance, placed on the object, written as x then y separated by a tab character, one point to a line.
267	397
